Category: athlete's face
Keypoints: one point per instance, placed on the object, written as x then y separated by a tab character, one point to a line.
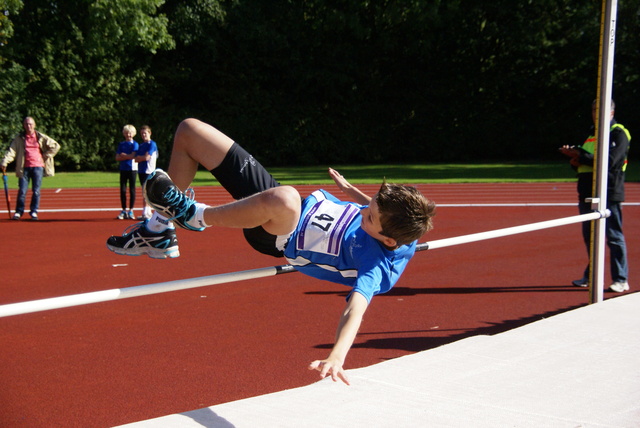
371	223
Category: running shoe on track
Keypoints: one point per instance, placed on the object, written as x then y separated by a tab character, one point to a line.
138	240
169	201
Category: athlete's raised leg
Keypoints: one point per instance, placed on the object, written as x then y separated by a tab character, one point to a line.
276	209
196	142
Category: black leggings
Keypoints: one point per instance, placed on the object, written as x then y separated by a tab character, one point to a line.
127	177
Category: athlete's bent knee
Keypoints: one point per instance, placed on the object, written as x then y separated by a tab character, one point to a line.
288	197
186	127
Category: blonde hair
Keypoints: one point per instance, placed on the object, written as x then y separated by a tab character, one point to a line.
129	128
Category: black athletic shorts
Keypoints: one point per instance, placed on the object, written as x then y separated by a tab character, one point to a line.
242	176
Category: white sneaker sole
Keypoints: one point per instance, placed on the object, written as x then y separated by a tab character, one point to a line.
154	253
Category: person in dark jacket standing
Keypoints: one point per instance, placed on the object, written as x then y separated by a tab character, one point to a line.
582	159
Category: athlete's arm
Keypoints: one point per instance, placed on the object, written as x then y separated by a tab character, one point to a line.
348	189
347	330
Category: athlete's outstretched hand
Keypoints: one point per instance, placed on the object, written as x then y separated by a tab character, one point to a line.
331	368
348	327
353	192
339	179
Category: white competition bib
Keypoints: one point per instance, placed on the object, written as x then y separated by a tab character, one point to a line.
324	227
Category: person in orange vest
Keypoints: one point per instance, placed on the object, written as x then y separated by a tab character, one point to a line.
582	160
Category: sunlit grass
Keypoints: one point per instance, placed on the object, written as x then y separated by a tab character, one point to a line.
364	174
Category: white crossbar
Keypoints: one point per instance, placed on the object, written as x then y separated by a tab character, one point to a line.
498	233
183	284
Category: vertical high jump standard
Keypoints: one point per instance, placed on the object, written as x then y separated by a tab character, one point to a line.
601	155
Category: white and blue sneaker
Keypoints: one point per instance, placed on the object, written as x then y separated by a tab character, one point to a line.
171	202
138	240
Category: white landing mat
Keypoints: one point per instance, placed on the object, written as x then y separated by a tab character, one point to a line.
577	369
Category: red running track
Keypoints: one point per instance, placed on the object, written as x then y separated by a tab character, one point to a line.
116	362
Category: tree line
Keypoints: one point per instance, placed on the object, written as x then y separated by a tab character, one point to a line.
315	81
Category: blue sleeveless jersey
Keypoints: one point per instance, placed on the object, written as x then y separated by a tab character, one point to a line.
329	244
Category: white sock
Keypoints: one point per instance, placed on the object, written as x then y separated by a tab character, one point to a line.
198	218
159	223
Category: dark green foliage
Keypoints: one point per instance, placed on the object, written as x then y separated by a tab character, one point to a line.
81	69
316	81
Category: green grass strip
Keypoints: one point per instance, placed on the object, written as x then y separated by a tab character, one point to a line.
364	174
